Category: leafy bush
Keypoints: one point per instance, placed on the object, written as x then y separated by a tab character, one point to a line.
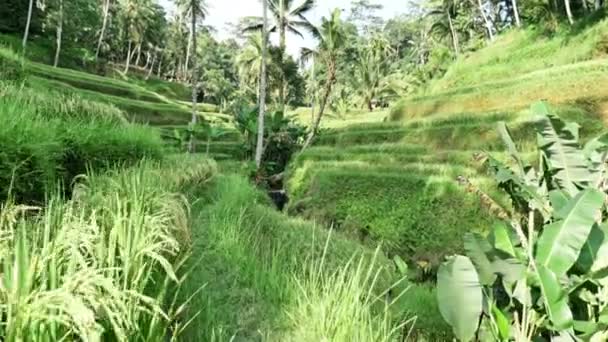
283	136
543	272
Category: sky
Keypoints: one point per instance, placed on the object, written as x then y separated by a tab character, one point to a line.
223	12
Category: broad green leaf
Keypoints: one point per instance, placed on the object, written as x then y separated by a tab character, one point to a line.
460	296
561	242
560	146
591	248
558	199
505	134
511	270
555	299
502	323
500	237
477	249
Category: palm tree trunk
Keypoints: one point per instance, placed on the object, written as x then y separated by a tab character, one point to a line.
138	54
27	25
314	92
59	34
516	13
283	46
192	142
328	88
160	65
151	67
489	26
188	51
569	12
454	34
128	61
259	148
104	25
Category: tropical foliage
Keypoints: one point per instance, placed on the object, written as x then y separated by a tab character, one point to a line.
542	272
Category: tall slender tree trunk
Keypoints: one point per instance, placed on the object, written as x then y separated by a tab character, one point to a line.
598	4
331	69
59	34
151	67
193	122
516	13
128	61
585	6
489	25
104	25
27	26
454	34
283	47
314	92
187	62
569	12
259	148
160	65
138	54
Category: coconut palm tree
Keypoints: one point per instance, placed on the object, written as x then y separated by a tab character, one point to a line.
27	25
196	10
59	33
287	16
259	149
136	15
104	24
331	37
443	15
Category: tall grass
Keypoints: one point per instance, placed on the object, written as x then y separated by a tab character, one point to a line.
258	265
341	305
48	138
99	266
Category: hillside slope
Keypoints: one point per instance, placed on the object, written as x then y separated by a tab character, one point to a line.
522	66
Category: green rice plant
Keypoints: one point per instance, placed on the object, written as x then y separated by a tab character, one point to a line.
342	305
48	138
100	266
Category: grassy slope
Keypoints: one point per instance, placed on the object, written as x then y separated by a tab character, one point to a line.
521	67
395	182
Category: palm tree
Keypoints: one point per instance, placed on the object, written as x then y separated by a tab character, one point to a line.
569	12
444	14
59	33
27	25
137	15
287	17
196	10
331	37
516	13
106	14
262	100
372	69
486	20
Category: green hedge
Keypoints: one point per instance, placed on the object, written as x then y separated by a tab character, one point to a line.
40	151
418	217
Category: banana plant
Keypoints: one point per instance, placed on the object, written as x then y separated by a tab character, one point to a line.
543	272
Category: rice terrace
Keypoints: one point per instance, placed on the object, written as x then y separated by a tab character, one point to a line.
304	170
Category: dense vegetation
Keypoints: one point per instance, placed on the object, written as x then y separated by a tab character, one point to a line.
389	183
